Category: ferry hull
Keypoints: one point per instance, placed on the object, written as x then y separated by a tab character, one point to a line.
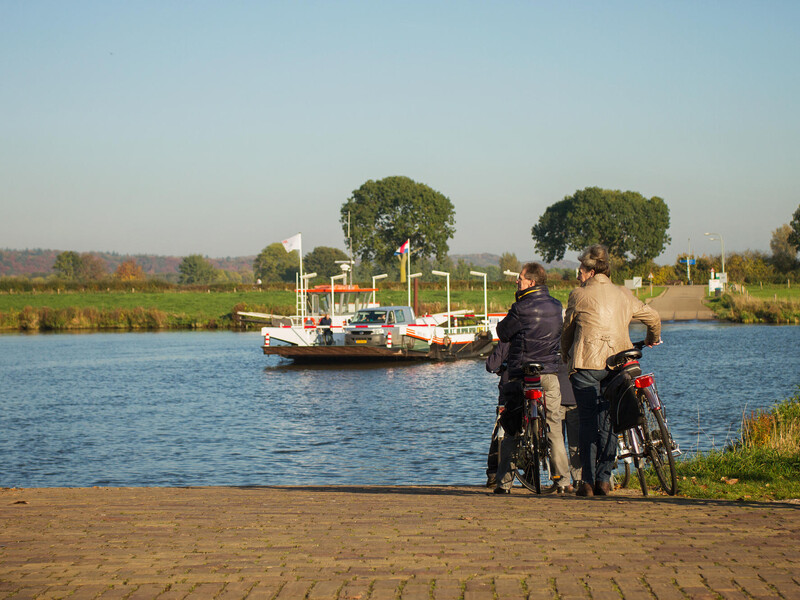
477	348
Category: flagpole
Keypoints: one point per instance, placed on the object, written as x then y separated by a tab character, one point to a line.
302	281
408	272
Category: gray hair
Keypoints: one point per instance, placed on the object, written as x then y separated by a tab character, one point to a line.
595	258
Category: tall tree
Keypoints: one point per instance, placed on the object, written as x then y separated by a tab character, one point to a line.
90	268
784	252
794	236
67	264
196	269
322	261
509	262
273	263
628	224
385	213
129	270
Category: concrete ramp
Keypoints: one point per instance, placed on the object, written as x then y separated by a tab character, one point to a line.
683	303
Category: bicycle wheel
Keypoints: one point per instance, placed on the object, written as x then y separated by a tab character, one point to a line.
546	483
658	447
638	462
622	473
526	463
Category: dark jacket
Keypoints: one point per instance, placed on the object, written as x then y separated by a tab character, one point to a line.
496	363
533	329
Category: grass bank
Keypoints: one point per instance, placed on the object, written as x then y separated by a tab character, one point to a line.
746	308
132	309
763	465
116	310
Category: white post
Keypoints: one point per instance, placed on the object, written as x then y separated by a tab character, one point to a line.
485	297
374	279
445	274
304	285
722	242
333	297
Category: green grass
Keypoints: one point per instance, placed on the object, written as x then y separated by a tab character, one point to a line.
741	308
76	310
773	292
135	310
763	465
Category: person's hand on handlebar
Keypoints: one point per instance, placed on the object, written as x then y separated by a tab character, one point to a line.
658	343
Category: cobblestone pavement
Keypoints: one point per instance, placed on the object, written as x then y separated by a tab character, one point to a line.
379	543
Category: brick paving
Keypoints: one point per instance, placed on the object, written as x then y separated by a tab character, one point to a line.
374	543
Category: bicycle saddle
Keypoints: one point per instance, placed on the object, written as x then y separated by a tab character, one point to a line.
532	368
626	356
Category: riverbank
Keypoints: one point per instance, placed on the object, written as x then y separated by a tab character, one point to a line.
130	309
763	464
746	308
438	542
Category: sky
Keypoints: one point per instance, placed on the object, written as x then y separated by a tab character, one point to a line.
218	128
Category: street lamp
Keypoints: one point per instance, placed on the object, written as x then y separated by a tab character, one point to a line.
445	274
334	278
374	279
485	297
410	277
346	265
722	242
303	287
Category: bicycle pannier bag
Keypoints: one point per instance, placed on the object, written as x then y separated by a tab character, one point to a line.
624	407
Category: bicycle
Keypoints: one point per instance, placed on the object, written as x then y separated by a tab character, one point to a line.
639	419
532	453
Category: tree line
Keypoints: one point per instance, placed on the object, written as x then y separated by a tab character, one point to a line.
381	215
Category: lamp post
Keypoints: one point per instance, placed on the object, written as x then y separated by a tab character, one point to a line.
347	266
485	297
445	274
722	243
374	279
333	305
303	288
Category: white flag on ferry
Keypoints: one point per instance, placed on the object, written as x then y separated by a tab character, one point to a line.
293	243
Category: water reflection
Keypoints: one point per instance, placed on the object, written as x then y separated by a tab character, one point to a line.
206	408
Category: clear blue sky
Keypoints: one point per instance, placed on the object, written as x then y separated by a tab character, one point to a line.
220	127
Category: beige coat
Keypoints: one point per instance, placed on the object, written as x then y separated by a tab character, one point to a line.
596	323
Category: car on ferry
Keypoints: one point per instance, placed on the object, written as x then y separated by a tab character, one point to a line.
379	326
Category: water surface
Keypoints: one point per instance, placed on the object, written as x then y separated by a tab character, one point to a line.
207	408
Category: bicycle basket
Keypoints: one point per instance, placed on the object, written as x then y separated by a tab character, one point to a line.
624	407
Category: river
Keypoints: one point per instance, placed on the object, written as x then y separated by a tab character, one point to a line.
207	408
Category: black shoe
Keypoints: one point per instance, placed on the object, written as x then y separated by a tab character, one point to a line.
602	488
491	481
499	490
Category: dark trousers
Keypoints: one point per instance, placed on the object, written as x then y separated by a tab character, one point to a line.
597	441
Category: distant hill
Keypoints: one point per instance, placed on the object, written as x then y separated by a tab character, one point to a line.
39	263
487	260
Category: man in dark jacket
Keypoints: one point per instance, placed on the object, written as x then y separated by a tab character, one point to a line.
533	330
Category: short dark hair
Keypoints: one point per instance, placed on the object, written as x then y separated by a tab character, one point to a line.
536	272
595	258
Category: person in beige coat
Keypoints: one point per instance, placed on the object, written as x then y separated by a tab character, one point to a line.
595	328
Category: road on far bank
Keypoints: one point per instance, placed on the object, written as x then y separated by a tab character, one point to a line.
683	303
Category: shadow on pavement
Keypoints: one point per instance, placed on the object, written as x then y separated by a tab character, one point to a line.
445	490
